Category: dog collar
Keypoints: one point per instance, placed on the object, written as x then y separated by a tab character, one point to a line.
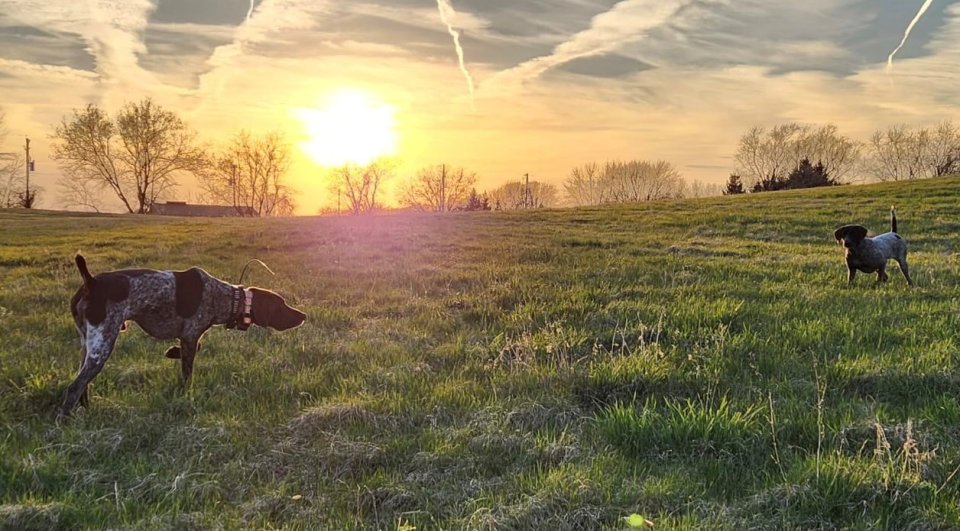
247	319
241	306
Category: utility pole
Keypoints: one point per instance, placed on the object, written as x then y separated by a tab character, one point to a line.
443	188
235	189
27	203
527	200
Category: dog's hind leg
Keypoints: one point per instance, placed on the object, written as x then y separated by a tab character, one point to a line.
99	343
902	262
81	329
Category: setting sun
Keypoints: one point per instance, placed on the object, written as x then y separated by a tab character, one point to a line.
350	126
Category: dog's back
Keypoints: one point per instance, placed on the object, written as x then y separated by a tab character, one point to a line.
159	301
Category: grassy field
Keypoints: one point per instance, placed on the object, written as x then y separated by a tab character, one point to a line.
700	363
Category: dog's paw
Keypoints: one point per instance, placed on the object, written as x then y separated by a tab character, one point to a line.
173	353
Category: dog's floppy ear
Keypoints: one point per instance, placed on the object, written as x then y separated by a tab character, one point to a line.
839	233
857	232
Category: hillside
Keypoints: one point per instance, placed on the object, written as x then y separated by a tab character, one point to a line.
701	363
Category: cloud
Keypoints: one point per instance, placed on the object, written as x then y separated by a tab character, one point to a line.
112	32
678	80
627	22
268	21
59	73
420	17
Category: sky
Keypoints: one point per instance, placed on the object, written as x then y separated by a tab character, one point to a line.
544	85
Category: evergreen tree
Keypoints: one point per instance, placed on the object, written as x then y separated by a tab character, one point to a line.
734	186
806	175
476	201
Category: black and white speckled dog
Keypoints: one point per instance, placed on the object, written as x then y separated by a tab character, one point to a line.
871	254
167	305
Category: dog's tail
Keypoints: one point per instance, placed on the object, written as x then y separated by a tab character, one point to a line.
893	219
88	280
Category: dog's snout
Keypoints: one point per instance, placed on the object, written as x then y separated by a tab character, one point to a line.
292	319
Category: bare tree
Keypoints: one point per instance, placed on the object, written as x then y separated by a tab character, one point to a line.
248	174
942	152
697	188
825	145
901	153
896	154
585	185
11	172
359	185
766	156
137	155
769	156
637	180
11	180
78	193
440	188
518	195
624	182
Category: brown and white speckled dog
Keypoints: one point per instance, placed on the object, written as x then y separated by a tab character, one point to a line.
870	255
178	305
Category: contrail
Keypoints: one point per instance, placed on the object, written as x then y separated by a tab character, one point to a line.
250	11
906	34
446	13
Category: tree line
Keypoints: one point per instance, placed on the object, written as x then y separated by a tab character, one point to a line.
13	191
791	155
139	154
436	188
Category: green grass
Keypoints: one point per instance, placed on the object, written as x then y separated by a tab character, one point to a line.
700	363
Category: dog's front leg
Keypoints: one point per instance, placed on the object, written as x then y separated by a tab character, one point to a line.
851	273
881	275
188	350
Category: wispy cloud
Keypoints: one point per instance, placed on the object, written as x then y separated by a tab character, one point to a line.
627	22
269	19
61	73
111	29
678	80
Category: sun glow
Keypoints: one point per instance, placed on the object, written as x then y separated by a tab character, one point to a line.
350	126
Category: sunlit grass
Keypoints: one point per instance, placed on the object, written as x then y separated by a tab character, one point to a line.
700	363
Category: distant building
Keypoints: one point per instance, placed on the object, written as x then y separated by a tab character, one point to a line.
182	208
